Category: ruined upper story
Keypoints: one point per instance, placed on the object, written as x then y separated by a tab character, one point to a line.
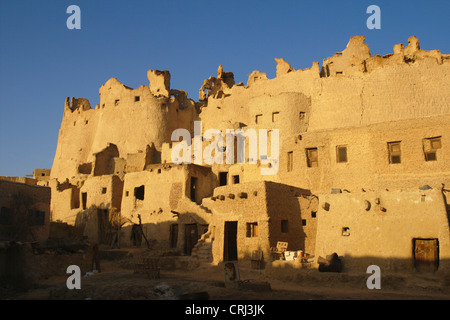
352	89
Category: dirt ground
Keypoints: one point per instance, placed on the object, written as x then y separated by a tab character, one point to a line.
180	280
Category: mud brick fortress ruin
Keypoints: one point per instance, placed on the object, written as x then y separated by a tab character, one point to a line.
363	171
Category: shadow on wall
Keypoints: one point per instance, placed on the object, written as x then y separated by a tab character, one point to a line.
12	267
178	233
446	195
170	231
98	223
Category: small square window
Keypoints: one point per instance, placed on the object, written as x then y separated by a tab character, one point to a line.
345	231
312	157
127	193
236	179
301	115
341	154
258	118
430	156
116	102
137	98
313	214
103	190
303	222
436	143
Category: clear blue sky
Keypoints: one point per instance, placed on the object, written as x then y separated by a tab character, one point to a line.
42	62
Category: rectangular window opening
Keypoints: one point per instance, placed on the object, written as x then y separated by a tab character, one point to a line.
275	116
252	229
223	177
290	161
341	154
301	115
430	147
194	187
312	157
84	199
139	192
345	231
394	152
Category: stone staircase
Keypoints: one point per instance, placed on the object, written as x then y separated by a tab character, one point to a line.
186	205
202	251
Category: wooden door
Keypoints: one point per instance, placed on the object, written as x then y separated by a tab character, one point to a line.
426	254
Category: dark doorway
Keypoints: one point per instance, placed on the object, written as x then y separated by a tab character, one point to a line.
104	229
194	186
191	237
173	235
230	241
223	178
426	255
84	199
